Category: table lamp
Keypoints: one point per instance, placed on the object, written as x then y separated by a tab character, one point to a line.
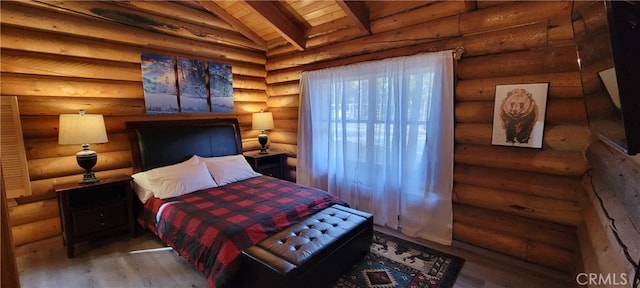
83	129
262	121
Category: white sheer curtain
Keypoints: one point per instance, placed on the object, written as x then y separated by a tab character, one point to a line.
379	135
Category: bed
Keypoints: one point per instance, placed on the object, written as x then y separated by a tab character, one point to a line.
210	226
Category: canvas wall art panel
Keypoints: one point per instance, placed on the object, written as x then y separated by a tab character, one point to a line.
221	87
159	83
518	115
193	85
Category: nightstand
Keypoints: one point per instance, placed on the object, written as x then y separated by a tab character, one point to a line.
93	211
271	164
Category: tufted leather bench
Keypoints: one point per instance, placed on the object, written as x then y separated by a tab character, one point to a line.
311	253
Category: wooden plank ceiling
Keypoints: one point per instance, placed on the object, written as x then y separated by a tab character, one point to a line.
274	23
256	25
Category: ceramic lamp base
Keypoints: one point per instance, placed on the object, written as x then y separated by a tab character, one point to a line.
87	159
262	139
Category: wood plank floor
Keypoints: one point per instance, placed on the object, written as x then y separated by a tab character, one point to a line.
144	262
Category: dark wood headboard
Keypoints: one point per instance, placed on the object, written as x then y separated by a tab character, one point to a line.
165	142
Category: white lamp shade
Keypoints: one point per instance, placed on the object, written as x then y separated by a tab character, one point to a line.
262	121
81	129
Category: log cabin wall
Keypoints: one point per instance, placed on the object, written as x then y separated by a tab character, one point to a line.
609	235
610	231
518	201
59	59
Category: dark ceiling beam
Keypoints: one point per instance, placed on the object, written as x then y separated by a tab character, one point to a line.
213	8
358	12
276	17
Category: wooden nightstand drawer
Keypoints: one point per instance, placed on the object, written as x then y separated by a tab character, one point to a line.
101	218
94	211
271	164
273	171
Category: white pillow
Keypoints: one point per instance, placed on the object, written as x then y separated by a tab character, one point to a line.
171	169
143	187
188	179
229	169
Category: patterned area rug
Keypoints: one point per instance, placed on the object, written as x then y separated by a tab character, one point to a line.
395	263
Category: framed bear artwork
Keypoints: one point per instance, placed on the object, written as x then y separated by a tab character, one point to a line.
518	115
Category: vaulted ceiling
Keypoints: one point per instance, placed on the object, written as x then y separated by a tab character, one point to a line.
272	26
294	21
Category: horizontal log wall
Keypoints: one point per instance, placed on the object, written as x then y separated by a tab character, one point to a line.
609	235
502	194
61	59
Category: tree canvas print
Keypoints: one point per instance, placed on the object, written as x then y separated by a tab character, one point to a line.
159	83
518	115
221	84
193	85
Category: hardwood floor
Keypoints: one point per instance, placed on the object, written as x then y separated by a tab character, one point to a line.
144	262
486	269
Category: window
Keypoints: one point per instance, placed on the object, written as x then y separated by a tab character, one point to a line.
379	135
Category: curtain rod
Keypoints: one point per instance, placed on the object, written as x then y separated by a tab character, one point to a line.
457	55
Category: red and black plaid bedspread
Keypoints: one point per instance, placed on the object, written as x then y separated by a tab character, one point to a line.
210	228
